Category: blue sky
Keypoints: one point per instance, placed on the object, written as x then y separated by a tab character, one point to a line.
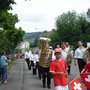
39	15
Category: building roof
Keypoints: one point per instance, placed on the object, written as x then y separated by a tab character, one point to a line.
22	43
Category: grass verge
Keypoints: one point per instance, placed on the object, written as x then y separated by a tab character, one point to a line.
11	64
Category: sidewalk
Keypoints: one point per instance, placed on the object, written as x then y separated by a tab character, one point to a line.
14	78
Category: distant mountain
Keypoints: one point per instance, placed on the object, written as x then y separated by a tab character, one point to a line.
31	36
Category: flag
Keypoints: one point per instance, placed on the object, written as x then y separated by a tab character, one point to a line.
76	85
86	79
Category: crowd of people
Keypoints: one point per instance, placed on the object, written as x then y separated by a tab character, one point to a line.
59	67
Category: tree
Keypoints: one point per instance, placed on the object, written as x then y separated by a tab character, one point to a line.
8	20
10	36
71	27
14	37
54	38
66	27
6	4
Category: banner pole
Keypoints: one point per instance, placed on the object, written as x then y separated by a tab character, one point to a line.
74	78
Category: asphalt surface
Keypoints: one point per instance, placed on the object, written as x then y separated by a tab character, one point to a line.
21	78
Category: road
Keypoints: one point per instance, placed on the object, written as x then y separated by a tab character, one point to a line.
21	78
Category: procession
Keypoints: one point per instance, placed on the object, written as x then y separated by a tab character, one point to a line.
57	63
47	63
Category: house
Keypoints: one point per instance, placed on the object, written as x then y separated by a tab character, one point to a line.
23	46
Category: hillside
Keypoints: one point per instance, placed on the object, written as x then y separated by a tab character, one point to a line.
31	36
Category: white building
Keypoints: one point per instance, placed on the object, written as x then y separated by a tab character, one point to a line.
23	46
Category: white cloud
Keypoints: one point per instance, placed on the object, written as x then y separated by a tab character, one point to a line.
41	14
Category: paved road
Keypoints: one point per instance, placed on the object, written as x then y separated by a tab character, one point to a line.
14	78
22	79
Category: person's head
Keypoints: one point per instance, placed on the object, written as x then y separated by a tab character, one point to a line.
37	52
51	47
67	44
4	53
80	43
47	46
58	46
40	41
27	49
63	46
57	54
33	52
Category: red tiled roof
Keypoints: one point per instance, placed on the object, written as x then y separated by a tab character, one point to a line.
22	43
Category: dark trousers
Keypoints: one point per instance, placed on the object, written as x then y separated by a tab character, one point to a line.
28	63
39	69
34	71
81	64
33	68
69	67
31	64
46	74
88	88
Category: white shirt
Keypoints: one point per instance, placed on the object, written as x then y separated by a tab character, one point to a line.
53	56
28	55
79	52
37	56
64	54
71	53
34	58
68	48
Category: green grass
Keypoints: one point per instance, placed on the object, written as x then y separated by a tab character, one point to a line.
31	49
11	64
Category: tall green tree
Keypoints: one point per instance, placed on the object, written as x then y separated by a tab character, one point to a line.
8	20
10	36
71	27
6	4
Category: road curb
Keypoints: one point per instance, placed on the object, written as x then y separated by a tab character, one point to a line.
12	68
22	75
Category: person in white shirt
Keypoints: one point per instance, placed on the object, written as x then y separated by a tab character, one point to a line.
67	45
31	60
53	56
65	53
37	64
34	60
58	46
45	70
79	52
28	58
71	55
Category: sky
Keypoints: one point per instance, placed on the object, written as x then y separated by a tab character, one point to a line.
39	15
